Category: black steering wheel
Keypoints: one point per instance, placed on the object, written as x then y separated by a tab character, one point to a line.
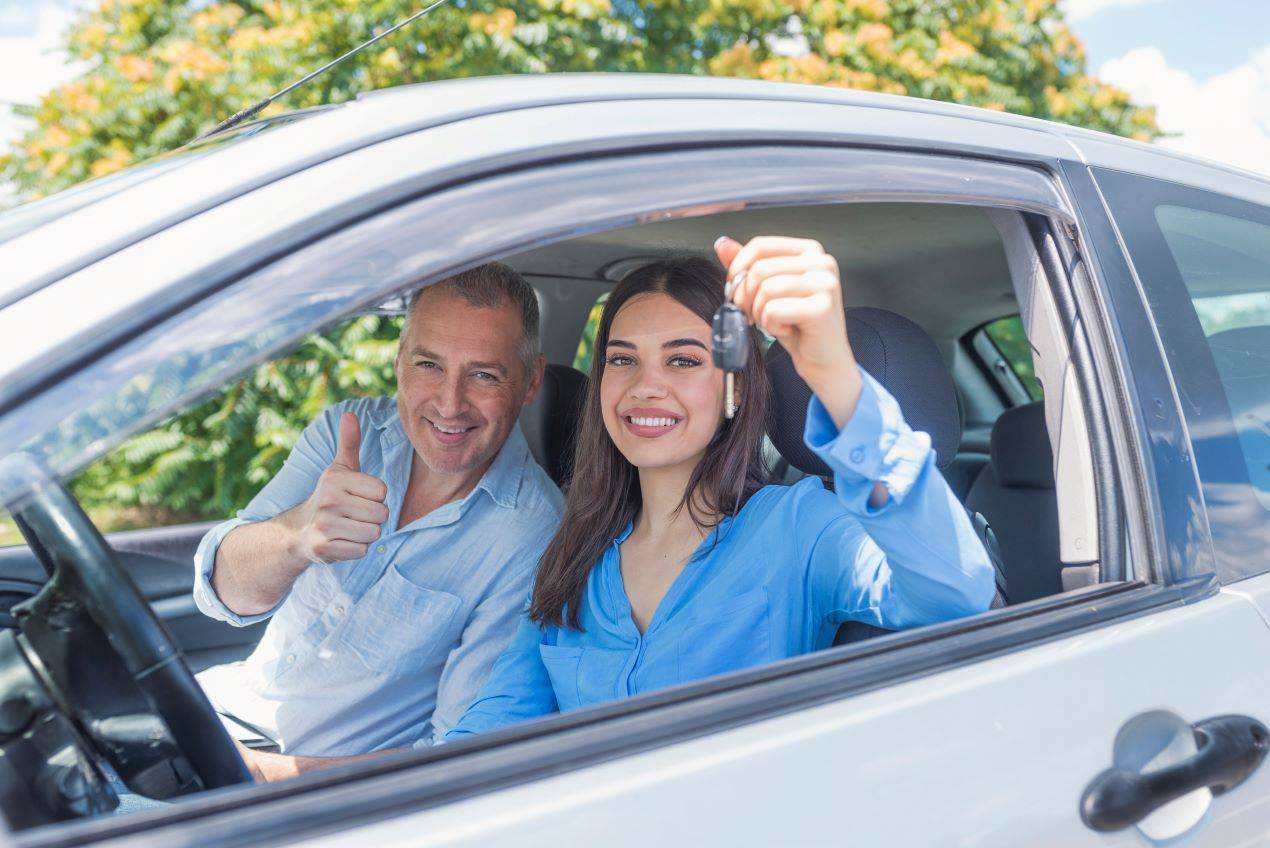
107	662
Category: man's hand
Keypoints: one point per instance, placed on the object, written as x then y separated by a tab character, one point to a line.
256	564
267	767
342	517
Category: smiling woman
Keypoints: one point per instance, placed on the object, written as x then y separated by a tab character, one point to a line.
668	535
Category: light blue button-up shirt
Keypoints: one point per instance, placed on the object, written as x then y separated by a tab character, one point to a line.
389	649
773	581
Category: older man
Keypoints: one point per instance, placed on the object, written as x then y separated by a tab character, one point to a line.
396	547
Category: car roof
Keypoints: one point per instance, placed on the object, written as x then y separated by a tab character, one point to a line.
86	235
503	93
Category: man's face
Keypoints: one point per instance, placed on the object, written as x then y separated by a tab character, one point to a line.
460	380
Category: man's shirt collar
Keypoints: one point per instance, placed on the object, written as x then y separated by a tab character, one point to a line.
501	481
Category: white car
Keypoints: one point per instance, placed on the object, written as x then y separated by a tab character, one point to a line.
1117	698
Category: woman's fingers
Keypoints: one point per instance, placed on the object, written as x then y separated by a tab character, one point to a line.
812	284
765	246
726	248
781	316
786	276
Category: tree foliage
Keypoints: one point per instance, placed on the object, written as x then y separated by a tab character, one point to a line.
208	461
159	72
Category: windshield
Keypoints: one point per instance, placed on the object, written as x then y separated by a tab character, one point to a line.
26	217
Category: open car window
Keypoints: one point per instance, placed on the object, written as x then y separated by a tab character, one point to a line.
207	461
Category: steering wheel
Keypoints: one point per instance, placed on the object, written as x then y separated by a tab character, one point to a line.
107	662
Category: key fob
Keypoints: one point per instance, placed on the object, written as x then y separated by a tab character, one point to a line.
729	338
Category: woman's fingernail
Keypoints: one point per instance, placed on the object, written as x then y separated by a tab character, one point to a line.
720	240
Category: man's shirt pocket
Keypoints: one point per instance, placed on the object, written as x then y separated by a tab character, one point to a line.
399	626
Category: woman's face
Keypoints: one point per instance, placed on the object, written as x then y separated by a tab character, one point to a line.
661	396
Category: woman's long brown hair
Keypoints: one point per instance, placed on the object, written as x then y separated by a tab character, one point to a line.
604	494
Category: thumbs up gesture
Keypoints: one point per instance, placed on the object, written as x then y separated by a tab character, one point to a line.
342	517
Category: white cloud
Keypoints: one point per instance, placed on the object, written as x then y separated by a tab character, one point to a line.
1077	9
1224	117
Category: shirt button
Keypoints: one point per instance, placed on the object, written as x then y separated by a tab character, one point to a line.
380	549
339	612
857	455
290	658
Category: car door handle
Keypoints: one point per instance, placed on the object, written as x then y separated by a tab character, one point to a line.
1229	749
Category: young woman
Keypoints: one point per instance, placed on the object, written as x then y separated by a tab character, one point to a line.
674	561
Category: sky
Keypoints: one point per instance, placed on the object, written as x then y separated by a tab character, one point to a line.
1204	64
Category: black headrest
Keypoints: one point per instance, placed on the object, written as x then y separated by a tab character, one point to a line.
1021	453
902	357
550	421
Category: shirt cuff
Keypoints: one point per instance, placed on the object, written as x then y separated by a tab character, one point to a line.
875	445
205	597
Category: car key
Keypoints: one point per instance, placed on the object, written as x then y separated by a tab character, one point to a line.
729	348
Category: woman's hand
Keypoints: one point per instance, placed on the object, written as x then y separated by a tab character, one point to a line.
789	287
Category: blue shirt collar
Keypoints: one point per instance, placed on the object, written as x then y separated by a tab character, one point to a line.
501	481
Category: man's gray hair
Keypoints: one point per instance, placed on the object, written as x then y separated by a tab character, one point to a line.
489	286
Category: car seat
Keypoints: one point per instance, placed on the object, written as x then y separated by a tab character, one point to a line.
1015	492
902	357
550	421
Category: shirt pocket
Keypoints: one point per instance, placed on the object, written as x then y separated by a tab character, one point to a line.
581	677
399	626
562	667
726	636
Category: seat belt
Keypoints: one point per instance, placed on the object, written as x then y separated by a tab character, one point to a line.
989	539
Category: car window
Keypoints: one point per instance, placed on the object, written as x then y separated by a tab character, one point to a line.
206	462
1204	260
1011	342
9	534
1231	255
586	343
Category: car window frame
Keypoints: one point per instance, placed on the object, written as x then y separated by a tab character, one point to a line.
425	777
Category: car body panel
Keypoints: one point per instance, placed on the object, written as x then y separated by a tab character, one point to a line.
997	753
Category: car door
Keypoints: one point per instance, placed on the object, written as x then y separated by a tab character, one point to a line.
989	730
1141	684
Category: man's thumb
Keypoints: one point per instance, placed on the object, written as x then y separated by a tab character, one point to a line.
350	442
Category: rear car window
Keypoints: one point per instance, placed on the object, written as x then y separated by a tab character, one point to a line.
1011	342
586	344
1230	256
9	534
1204	261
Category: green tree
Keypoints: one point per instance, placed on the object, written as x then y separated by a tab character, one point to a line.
161	71
208	461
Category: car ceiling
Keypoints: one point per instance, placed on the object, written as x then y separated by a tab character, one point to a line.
941	265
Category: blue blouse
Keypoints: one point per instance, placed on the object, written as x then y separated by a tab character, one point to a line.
774	581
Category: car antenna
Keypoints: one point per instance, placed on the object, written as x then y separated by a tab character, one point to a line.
255	108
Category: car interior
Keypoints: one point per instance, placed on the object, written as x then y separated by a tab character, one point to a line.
921	281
